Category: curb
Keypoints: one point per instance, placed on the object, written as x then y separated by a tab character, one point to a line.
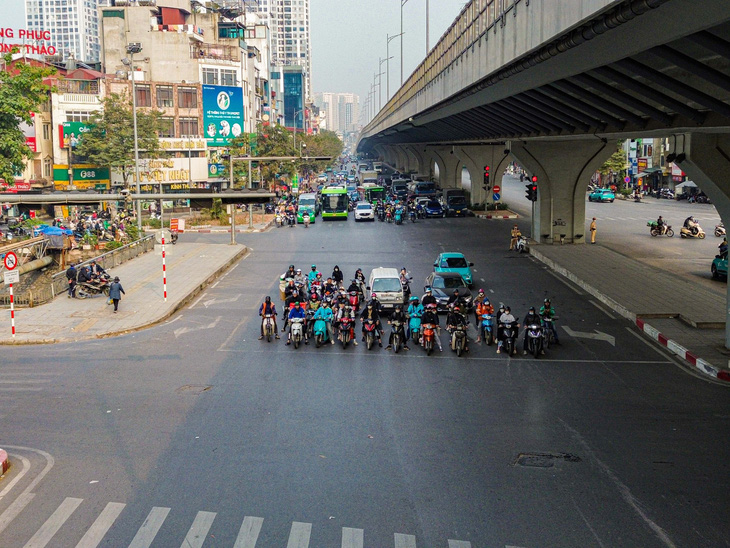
4	460
677	349
490	216
228	230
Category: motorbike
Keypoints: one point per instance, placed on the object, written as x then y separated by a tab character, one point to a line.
535	338
310	323
297	331
173	237
370	333
354	300
486	329
521	245
693	231
720	230
279	220
412	215
345	331
305	219
398	216
547	330
388	216
656	231
321	335
509	337
94	287
291	219
268	327
414	326
429	334
458	339
398	335
381	214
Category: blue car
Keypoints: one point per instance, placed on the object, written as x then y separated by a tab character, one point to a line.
719	267
434	208
454	262
602	195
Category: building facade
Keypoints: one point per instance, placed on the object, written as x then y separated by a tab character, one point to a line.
341	110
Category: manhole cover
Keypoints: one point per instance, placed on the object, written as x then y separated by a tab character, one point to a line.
544	460
193	389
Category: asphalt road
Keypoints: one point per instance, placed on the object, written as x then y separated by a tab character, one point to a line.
194	428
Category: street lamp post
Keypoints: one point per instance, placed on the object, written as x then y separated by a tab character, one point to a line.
380	82
131	50
388	38
427	48
402	3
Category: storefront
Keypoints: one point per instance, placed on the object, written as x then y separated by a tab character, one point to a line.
84	177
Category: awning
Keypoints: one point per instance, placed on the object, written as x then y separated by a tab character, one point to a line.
648	171
690	184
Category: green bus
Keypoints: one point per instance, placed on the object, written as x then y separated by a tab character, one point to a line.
373	193
307	202
334	202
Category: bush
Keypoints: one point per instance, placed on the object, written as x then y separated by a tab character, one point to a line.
153	223
113	245
132	231
499	206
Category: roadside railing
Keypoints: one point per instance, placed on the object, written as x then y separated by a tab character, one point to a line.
59	283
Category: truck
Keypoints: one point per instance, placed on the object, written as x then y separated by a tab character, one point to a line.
368	176
454	201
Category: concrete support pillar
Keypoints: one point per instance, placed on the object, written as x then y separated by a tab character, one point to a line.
449	166
475	158
402	163
705	158
563	170
391	155
422	161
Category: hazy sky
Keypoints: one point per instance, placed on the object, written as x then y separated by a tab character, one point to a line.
348	37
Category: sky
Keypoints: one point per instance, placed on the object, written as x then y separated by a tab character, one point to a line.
348	38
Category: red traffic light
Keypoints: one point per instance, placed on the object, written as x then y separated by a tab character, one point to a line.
486	170
534	178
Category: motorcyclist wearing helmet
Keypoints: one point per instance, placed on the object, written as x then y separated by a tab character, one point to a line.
405	281
660	225
268	308
290	288
531	318
345	310
324	313
371	312
456	300
337	276
330	286
430	315
312	274
300	280
428	298
297	312
454	319
354	286
477	301
398	316
290	273
548	311
415	310
505	318
376	303
484	307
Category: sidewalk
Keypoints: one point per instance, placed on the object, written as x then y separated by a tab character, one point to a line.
189	267
685	317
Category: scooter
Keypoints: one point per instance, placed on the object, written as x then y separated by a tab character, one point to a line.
486	328
279	220
521	245
321	336
305	219
656	231
509	336
458	339
398	337
398	216
354	299
429	334
693	231
370	332
412	215
345	331
720	230
173	237
534	339
297	331
268	327
414	326
548	335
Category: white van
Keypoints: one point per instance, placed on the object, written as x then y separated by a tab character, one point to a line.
385	283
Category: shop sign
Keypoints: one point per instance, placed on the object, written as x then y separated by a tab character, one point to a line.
29	41
167	143
222	114
70	133
18	186
85	177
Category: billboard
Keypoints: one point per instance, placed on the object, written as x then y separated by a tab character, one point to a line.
222	114
70	133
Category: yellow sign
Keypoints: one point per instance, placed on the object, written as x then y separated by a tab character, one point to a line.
183	144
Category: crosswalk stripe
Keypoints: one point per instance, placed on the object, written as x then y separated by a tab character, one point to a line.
249	532
459	544
352	538
299	535
14	509
199	530
405	541
146	534
54	523
99	528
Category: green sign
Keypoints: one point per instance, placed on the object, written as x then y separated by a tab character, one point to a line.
253	143
71	133
222	114
295	183
81	173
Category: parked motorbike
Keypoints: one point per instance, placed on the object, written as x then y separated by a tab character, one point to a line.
521	245
509	337
297	331
654	229
429	334
720	230
486	329
458	339
398	335
94	287
534	339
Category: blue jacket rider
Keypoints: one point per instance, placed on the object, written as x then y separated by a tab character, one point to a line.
297	312
324	312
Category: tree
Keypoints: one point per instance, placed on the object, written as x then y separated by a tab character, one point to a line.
109	140
325	143
616	163
270	141
21	92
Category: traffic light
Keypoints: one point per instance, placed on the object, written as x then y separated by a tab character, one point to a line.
486	178
531	193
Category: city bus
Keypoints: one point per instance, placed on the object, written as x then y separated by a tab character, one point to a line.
334	203
373	193
307	202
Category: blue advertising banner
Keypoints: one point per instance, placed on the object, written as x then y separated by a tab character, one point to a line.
222	114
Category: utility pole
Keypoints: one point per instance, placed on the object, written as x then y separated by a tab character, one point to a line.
388	38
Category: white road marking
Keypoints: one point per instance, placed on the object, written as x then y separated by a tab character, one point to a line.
459	544
101	525
26	496
12	511
352	538
218	301
602	309
299	535
199	530
597	336
198	300
181	330
44	535
147	533
405	541
19	476
222	347
249	532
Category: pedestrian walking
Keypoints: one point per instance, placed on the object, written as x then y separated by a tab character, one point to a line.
593	231
71	276
115	293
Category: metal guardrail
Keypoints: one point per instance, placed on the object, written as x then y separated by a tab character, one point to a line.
59	283
476	19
